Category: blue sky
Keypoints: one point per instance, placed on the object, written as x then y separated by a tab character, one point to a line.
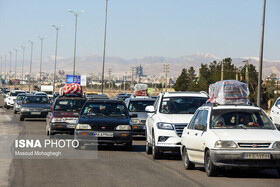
139	28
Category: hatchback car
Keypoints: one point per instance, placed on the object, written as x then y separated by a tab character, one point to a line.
104	122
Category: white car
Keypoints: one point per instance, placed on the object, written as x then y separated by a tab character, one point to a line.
275	112
170	114
11	97
229	136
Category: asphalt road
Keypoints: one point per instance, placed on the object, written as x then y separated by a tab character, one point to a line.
115	166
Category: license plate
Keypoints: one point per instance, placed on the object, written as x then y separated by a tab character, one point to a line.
71	120
35	113
103	134
256	156
71	126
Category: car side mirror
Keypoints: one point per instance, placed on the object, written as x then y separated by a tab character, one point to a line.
133	115
278	127
150	109
200	127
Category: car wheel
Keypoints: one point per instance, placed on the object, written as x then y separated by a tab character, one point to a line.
187	164
128	146
156	153
15	112
148	148
21	118
210	168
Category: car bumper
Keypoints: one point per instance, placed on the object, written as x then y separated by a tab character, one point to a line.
26	114
119	137
62	128
139	129
171	143
235	158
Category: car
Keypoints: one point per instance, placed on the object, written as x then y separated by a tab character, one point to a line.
35	106
95	95
104	121
18	101
64	115
275	113
11	97
5	93
137	106
230	136
40	93
170	114
122	96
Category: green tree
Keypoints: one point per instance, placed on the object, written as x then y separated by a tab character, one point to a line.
204	75
192	78
181	83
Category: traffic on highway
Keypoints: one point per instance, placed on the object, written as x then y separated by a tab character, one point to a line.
210	133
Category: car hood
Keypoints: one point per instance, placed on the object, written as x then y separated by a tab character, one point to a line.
247	135
36	105
175	118
140	115
103	121
65	114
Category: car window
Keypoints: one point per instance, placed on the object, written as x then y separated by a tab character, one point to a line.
195	119
101	109
277	102
181	105
156	103
204	117
68	105
139	106
234	119
36	100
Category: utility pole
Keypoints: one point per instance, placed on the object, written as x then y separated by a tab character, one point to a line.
15	66
261	56
31	51
42	39
23	49
222	71
132	73
109	71
10	70
166	69
5	70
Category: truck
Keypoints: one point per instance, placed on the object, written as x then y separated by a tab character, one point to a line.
48	89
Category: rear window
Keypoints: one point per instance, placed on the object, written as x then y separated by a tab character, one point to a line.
15	93
101	109
139	106
68	105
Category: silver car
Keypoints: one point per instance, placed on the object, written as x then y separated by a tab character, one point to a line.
18	102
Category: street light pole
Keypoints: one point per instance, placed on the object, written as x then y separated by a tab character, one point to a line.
15	66
10	70
105	32
54	74
42	39
31	44
23	49
261	56
5	69
76	20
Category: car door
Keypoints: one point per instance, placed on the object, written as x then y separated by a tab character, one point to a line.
275	112
189	135
196	140
151	117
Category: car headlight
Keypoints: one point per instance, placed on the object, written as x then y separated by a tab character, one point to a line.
55	120
166	126
83	126
24	109
276	145
135	121
225	144
123	128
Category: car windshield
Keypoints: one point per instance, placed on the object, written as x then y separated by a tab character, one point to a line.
68	105
102	109
36	100
139	106
15	93
236	119
20	97
181	105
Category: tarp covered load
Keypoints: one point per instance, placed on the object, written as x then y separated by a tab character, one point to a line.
228	92
140	90
73	88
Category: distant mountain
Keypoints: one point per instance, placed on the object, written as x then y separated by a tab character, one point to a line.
152	65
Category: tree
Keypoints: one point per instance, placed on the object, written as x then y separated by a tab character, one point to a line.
181	83
192	78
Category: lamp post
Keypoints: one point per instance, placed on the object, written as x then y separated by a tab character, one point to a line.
42	39
76	14
5	69
54	74
23	49
15	66
1	65
261	56
31	44
10	70
103	61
